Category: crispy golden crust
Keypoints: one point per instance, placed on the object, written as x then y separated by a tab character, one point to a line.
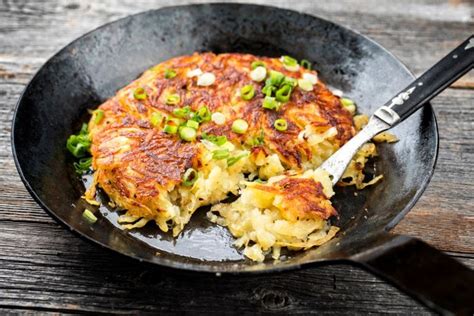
136	162
300	198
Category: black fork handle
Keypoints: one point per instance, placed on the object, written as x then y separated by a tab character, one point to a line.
434	80
427	274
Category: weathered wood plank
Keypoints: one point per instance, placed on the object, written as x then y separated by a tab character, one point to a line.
45	268
50	269
444	215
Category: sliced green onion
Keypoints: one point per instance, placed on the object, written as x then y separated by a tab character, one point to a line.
305	64
203	114
257	63
172	99
83	165
281	125
139	94
247	92
156	119
218	140
187	133
170	129
270	103
220	154
275	78
347	102
89	216
190	176
170	73
183	112
84	130
305	85
288	60
79	145
240	126
258	140
258	74
192	124
290	63
99	115
310	77
268	90
232	160
349	105
175	121
283	94
206	79
289	81
218	118
76	147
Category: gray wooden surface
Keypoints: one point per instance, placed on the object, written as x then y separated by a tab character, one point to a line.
45	268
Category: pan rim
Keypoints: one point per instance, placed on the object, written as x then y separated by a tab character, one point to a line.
218	269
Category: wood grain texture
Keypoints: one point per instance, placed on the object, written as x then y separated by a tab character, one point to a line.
45	268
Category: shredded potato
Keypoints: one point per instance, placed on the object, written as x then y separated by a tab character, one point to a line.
284	200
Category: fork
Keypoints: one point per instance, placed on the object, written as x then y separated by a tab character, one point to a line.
405	103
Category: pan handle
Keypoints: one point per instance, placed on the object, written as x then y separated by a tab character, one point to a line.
435	279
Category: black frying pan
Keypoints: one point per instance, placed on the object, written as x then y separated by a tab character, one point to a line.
92	68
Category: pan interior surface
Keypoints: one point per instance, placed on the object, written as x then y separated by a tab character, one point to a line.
92	68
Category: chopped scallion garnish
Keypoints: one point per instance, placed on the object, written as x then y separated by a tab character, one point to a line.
275	78
83	165
310	77
89	216
183	112
240	126
349	105
347	102
156	119
232	160
220	154
283	94
305	64
170	73
247	92
203	114
206	79
218	118
190	176
192	124
139	94
305	85
288	60
258	74
187	133
79	145
219	140
281	125
170	129
268	90
173	99
270	103
99	115
258	140
257	63
290	63
289	81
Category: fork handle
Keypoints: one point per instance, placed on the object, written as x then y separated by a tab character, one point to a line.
428	85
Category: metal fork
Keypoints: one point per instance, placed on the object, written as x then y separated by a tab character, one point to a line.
404	104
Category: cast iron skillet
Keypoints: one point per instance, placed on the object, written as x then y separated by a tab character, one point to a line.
92	68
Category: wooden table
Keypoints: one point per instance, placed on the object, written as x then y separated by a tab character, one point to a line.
45	268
